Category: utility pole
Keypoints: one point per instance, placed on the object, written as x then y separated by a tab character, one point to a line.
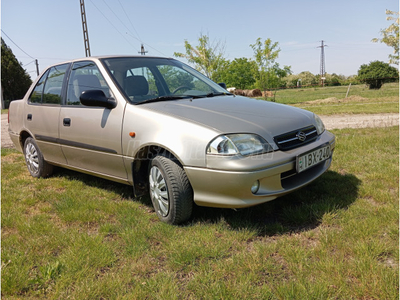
142	50
37	67
2	99
85	29
322	64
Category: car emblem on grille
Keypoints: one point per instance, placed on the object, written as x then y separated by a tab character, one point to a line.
301	136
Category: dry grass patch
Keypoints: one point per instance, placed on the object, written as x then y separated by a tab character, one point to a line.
334	100
350	99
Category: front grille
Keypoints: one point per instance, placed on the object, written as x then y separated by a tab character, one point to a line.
296	138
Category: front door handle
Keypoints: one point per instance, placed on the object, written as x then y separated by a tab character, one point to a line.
29	117
67	122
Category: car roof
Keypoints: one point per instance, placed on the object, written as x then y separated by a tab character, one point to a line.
96	58
99	57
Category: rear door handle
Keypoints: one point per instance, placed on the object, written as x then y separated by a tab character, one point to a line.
29	117
67	122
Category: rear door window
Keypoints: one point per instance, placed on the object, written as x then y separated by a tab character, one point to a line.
48	90
36	96
53	86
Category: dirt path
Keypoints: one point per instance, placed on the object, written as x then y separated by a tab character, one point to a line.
360	120
331	122
5	138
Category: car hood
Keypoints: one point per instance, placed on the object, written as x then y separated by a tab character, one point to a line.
236	114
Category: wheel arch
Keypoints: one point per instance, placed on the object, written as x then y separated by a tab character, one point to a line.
23	136
140	166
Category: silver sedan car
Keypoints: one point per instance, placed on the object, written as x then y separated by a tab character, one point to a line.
170	132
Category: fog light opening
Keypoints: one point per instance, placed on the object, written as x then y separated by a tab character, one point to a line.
255	187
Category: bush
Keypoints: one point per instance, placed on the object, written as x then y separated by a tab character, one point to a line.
377	73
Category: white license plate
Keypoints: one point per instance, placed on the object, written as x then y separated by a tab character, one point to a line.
309	159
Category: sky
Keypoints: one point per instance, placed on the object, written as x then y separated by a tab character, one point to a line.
51	30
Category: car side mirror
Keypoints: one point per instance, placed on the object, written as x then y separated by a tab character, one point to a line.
222	84
97	98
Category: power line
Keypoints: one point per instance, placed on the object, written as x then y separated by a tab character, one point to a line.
127	16
29	63
154	49
112	24
16	44
129	31
150	46
36	61
119	19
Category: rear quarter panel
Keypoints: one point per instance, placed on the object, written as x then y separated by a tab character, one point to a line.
16	123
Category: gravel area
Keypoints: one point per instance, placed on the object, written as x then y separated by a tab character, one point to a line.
331	122
360	121
5	138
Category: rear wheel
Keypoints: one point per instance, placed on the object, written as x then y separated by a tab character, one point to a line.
35	162
170	190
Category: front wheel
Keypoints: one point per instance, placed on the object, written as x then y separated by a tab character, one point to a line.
170	190
35	162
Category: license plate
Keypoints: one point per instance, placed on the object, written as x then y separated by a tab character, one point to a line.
309	159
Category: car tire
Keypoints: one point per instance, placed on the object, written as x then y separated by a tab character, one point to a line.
35	162
170	190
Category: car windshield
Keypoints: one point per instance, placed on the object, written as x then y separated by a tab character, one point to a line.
148	79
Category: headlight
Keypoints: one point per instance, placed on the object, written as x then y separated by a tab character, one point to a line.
245	144
320	125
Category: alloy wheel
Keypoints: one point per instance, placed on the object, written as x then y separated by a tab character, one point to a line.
32	158
159	191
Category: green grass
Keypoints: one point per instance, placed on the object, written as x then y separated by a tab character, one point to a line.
332	100
353	105
79	237
295	96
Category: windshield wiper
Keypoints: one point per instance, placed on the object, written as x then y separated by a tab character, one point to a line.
210	95
176	97
163	98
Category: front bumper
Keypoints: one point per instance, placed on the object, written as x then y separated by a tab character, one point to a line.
276	173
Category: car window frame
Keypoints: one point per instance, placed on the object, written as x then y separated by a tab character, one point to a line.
63	85
71	69
41	80
159	80
45	77
156	73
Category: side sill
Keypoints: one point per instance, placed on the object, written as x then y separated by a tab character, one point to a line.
100	175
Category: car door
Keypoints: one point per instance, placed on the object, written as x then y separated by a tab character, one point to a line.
43	111
90	137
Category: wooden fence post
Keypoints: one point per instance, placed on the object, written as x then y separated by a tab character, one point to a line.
348	90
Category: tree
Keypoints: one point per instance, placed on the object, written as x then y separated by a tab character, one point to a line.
377	73
15	81
238	73
390	36
207	57
275	76
334	79
305	78
265	55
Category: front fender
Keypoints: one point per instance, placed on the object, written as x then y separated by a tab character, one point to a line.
183	138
